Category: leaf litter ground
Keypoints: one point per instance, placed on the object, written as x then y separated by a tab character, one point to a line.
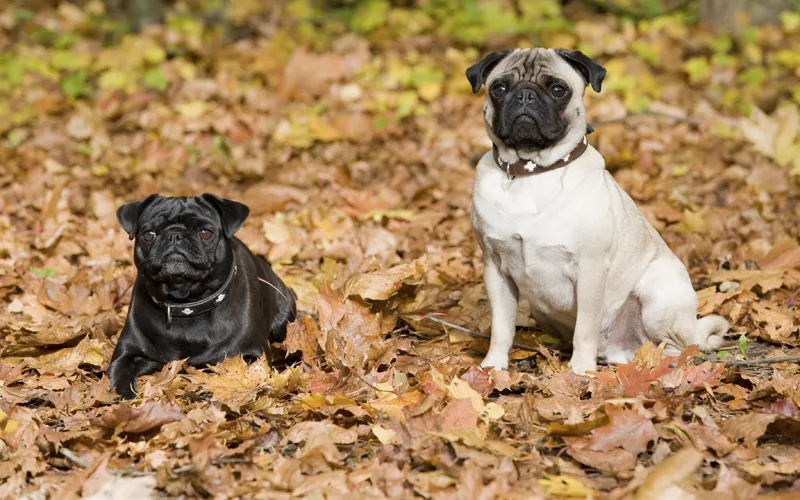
355	153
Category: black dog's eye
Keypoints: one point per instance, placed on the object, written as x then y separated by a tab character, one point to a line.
148	236
205	234
558	91
498	89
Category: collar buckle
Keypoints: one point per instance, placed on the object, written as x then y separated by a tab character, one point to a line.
200	306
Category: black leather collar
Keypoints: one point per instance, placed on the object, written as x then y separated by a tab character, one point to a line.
522	168
186	309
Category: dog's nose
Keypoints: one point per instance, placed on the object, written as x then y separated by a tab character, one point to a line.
525	96
175	237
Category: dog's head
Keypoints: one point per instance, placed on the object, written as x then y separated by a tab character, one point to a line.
182	244
534	97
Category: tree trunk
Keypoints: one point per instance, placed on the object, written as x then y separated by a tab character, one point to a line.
144	12
727	14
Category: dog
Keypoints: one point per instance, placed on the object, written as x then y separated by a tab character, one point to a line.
200	292
557	230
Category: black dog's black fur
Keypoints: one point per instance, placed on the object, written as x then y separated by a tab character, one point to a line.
180	266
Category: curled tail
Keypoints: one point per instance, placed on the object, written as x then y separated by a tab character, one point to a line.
709	332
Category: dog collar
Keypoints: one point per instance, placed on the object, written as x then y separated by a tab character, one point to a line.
186	309
522	168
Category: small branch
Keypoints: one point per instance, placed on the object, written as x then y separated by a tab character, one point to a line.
359	377
474	333
72	457
611	8
762	361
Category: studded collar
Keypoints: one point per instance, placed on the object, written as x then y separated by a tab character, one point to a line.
523	168
186	309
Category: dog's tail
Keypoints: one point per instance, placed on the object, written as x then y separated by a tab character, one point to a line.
709	332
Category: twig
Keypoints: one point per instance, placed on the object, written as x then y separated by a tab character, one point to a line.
359	377
762	361
66	452
277	290
70	455
474	333
611	8
656	114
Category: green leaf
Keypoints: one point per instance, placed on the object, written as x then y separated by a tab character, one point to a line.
369	15
42	272
16	137
743	345
65	59
646	52
753	76
84	149
75	85
698	69
155	79
380	123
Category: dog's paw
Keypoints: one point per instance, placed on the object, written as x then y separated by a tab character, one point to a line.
581	365
496	361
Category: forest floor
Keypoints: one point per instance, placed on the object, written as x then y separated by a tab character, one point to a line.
353	140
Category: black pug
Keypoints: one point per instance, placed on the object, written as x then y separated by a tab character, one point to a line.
198	293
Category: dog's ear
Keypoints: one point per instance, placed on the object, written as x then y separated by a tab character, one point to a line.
128	215
592	72
477	73
232	213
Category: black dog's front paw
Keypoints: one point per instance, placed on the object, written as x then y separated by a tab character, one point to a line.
124	370
126	390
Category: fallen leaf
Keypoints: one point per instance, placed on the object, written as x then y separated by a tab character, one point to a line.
664	480
123	418
380	285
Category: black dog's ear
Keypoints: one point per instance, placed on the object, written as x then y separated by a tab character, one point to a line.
477	73
128	215
592	72
233	213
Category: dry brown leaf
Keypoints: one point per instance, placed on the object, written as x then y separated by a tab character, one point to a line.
380	285
664	480
150	415
627	429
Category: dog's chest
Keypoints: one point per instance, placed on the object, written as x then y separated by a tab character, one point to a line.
530	242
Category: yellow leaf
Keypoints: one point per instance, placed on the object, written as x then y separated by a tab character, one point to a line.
430	90
563	486
459	389
680	170
154	54
379	215
323	131
493	411
796	169
100	170
191	110
313	401
9	426
786	147
113	80
385	436
693	222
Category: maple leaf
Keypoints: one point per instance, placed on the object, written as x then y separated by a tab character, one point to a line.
627	429
380	285
304	335
123	418
236	383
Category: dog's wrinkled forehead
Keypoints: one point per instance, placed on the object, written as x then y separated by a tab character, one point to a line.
533	65
189	210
